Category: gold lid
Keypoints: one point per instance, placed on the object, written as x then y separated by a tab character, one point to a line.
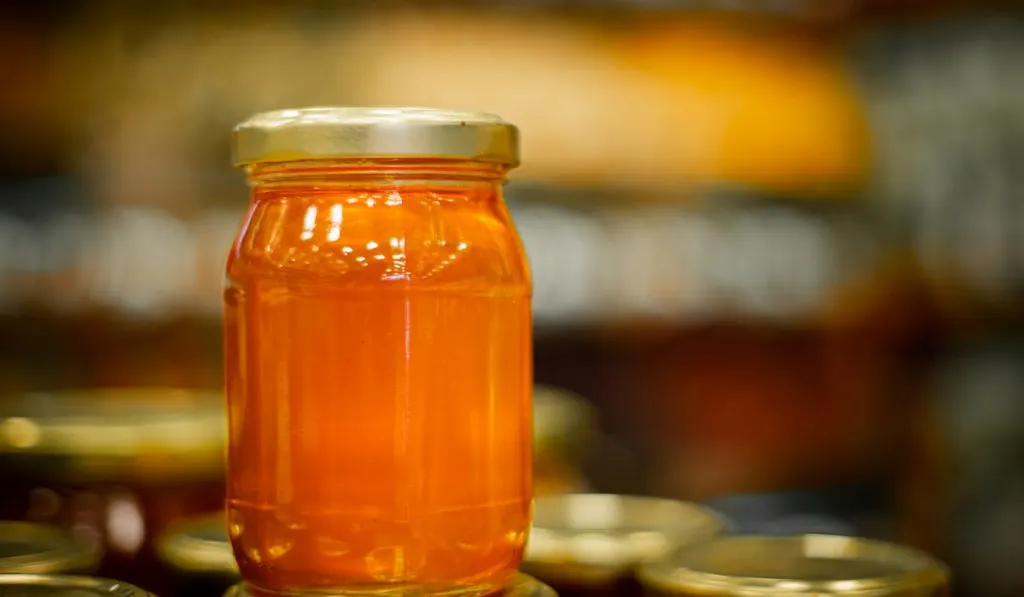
348	132
141	433
595	538
199	545
815	565
521	586
41	585
27	548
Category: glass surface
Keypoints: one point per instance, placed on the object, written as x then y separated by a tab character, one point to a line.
379	373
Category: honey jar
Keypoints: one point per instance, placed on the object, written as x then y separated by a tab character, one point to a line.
378	354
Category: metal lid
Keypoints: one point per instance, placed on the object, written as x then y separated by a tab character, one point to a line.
28	548
595	538
140	433
797	565
348	132
199	545
34	585
521	586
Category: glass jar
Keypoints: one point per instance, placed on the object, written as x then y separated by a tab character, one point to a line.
819	565
589	545
46	585
27	548
378	354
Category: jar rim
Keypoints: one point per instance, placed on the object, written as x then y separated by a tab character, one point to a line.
374	132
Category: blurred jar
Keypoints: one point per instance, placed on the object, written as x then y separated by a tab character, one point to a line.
820	565
198	554
590	544
45	585
773	324
563	434
27	548
378	327
723	333
115	467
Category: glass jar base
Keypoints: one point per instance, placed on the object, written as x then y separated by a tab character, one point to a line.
376	591
520	585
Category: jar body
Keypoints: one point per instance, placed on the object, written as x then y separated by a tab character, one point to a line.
378	346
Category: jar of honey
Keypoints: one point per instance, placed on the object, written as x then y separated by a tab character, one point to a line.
378	354
812	565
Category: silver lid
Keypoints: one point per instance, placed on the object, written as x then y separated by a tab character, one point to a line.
41	585
349	132
811	565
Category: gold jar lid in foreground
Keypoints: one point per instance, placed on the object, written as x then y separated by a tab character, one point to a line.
41	585
521	586
199	546
348	132
27	548
812	565
595	538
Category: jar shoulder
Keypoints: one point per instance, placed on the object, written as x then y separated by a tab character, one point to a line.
367	238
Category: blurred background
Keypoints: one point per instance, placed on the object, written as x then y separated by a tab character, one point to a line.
778	248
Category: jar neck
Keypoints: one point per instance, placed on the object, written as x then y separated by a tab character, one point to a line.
371	171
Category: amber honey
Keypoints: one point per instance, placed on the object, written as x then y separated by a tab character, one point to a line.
378	363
